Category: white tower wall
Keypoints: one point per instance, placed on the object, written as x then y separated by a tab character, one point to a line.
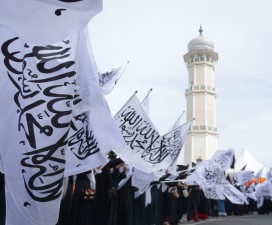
201	142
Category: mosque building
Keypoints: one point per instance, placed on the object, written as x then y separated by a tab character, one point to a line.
200	96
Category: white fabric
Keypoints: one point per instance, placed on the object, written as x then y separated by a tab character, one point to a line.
234	195
129	173
251	195
144	150
212	191
145	103
224	158
47	21
269	174
209	174
55	119
260	201
65	186
259	174
243	177
92	180
32	150
142	180
264	189
148	198
109	78
194	179
164	187
174	141
93	129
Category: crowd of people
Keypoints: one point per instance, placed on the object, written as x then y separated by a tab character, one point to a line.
95	198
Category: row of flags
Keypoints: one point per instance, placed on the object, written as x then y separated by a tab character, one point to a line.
55	121
211	176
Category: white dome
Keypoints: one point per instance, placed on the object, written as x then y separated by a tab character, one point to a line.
201	42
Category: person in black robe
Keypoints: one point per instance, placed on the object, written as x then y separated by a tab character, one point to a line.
193	203
115	177
203	207
125	215
214	207
83	201
265	208
170	199
104	212
155	208
140	214
238	210
102	198
2	200
181	201
66	204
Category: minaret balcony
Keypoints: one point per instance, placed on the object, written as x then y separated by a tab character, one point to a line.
200	88
203	128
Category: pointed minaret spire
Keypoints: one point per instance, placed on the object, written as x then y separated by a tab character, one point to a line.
200	30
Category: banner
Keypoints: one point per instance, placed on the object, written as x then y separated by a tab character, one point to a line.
43	22
54	120
144	150
234	195
264	189
93	131
109	78
175	139
210	170
224	158
212	191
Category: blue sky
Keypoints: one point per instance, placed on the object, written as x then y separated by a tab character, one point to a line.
153	35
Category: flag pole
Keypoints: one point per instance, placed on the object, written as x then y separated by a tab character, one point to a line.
121	72
126	103
147	94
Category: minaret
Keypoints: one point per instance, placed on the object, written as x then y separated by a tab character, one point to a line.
200	59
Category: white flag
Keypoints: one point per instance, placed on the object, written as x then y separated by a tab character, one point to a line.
260	201
109	78
144	150
269	174
234	195
224	158
93	130
243	176
264	189
174	140
212	191
145	102
259	175
54	118
47	21
177	123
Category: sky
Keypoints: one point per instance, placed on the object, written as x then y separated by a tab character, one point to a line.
153	36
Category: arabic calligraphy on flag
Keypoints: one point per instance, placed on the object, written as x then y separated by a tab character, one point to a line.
144	142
